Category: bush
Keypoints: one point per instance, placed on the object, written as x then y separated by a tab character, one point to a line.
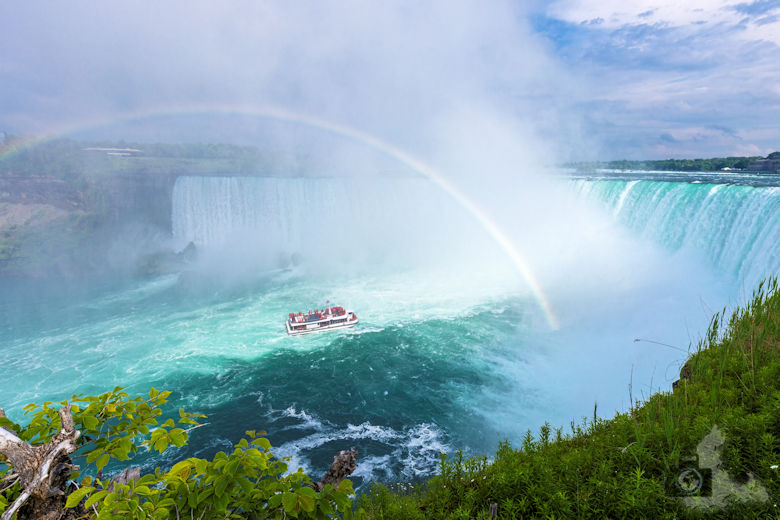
249	482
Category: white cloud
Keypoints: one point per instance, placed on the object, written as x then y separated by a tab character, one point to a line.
663	76
613	14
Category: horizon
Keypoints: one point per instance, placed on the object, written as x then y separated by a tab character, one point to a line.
29	140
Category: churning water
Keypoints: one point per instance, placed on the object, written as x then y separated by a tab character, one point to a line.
447	355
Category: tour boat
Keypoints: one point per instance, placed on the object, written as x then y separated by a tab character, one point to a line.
320	320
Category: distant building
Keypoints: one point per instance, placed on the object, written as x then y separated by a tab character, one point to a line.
765	165
122	152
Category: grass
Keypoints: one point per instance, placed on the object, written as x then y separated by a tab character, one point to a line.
627	466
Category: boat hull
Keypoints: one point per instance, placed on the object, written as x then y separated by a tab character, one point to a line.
313	329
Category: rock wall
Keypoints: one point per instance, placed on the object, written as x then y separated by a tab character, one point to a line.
43	190
50	227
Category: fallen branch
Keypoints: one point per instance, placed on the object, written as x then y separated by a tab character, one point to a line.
43	471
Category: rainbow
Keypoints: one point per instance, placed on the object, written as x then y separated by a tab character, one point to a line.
366	139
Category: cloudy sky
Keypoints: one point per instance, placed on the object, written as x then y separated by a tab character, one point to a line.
573	79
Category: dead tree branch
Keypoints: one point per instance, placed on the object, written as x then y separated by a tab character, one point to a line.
43	471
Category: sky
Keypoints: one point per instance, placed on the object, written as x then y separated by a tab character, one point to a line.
560	81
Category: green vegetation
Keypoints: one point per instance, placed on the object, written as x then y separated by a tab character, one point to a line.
626	467
81	161
9	245
248	482
679	165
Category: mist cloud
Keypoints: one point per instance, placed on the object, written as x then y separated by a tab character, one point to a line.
393	69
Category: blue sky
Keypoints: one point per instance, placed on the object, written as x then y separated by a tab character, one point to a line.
695	78
573	79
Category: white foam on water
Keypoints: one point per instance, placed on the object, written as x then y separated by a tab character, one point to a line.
307	421
622	198
413	452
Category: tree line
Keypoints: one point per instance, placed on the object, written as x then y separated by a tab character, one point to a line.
679	165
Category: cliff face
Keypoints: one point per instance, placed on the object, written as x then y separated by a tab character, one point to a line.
40	190
35	201
49	227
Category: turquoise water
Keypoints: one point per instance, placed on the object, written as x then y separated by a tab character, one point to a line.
452	350
400	387
734	228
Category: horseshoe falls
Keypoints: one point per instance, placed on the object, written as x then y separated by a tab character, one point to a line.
733	228
452	351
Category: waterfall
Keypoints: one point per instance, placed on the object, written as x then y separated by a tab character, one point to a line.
735	228
314	216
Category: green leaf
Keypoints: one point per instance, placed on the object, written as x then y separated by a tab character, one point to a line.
142	490
95	497
75	497
307	491
178	437
102	461
90	422
166	502
275	500
341	500
290	502
220	486
181	467
161	444
231	467
346	486
205	495
94	454
326	507
110	499
306	503
246	485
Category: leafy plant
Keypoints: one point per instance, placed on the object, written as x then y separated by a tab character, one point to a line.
249	482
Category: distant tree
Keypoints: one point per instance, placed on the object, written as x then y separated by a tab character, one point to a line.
773	155
680	165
